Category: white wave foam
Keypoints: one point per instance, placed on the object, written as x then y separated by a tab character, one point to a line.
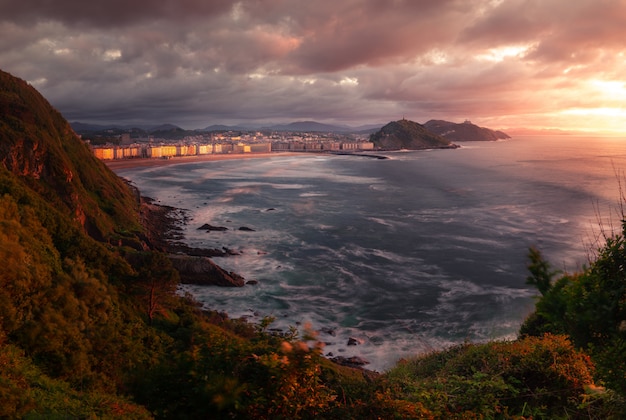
313	194
381	221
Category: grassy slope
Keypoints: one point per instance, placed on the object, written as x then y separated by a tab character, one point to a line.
39	146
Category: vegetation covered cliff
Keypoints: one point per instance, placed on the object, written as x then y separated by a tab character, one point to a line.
91	326
409	135
39	147
465	131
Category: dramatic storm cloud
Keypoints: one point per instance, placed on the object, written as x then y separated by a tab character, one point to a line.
500	63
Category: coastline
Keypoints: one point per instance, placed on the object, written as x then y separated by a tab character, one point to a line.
152	162
195	266
162	224
163	233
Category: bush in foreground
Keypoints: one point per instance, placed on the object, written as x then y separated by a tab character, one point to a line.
535	377
589	307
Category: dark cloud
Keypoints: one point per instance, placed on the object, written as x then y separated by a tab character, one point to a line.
196	62
339	35
109	13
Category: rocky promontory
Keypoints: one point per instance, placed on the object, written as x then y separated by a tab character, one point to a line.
409	135
465	131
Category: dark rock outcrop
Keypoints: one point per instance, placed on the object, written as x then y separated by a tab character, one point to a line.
203	271
209	228
352	341
329	331
163	232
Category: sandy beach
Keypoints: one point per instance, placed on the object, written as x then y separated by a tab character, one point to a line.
148	162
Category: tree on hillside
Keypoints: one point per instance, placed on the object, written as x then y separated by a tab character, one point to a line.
589	306
155	283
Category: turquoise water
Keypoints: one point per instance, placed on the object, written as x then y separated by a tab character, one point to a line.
408	254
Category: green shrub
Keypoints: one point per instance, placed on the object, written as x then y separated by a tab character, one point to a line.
590	307
542	377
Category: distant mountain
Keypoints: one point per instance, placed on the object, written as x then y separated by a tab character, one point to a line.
164	131
297	126
366	128
80	127
221	127
170	132
86	127
463	132
310	126
165	127
406	134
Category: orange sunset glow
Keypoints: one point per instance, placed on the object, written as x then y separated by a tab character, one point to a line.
516	65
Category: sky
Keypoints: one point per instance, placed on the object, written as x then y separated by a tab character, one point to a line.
503	64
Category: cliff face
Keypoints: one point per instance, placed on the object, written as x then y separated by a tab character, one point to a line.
26	129
39	147
405	134
463	132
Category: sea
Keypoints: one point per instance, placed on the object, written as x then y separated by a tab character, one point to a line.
404	255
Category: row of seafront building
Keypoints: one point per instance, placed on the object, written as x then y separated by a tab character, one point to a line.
165	150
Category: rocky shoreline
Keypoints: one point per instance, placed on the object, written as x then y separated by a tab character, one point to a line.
163	227
164	233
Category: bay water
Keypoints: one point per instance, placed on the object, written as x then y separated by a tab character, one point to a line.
408	254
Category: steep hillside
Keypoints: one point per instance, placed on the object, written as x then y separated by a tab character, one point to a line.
463	132
405	134
39	146
309	126
91	327
67	325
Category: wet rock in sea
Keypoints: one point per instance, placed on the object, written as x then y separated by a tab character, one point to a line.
329	331
229	251
203	271
252	282
246	229
209	227
353	341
